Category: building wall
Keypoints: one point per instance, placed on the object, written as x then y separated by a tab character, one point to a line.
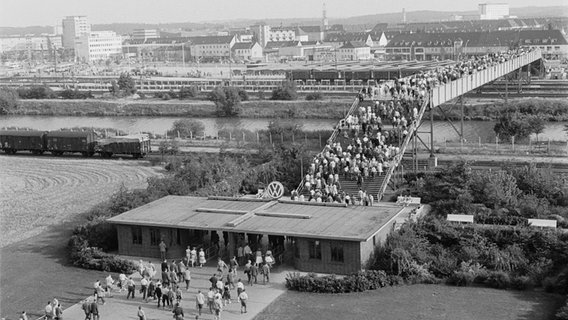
351	257
98	46
73	27
147	249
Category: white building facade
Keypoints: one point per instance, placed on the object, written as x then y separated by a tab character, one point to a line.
98	46
74	27
493	11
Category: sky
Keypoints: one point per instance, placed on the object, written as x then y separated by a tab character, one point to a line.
18	13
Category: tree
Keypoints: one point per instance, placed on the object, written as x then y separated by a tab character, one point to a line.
287	91
187	92
520	126
188	127
227	101
126	84
8	99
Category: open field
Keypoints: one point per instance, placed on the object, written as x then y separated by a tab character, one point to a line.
37	192
42	199
424	302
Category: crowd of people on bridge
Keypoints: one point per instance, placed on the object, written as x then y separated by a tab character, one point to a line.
370	137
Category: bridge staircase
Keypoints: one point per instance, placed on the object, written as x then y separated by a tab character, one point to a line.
436	97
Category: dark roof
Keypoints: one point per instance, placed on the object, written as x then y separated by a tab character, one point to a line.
309	29
21	133
211	39
288	218
480	39
157	41
280	44
243	45
72	134
353	44
347	36
467	25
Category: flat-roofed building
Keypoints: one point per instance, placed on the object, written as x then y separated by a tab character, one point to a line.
314	237
143	34
493	11
99	45
74	27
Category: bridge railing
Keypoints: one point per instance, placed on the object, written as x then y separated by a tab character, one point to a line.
398	158
456	88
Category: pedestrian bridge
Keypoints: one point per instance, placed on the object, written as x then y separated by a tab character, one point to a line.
435	97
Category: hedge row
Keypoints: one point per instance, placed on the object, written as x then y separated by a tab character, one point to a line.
83	256
357	282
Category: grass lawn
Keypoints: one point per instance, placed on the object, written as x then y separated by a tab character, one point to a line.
424	302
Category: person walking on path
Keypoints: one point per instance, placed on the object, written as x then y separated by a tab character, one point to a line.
159	293
247	252
144	287
188	254
202	259
87	309
231	278
240	287
49	311
254	273
178	312
122	280
243	297
265	273
218	305
131	288
109	285
94	310
221	265
193	257
226	294
234	264
248	266
187	278
58	312
211	299
163	249
199	301
241	254
23	316
141	314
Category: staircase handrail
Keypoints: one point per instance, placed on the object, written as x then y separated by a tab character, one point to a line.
398	157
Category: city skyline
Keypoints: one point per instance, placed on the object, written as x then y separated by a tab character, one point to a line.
16	13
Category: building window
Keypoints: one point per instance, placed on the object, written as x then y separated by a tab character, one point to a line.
136	235
336	252
154	237
178	236
315	249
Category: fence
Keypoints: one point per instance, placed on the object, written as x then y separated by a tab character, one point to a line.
497	146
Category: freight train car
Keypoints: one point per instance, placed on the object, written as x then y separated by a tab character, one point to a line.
59	142
14	141
136	145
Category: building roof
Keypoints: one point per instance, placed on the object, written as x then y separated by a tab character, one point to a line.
347	36
22	133
243	45
480	39
309	29
353	44
286	218
280	44
211	40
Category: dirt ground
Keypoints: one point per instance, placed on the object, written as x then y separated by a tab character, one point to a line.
424	302
42	198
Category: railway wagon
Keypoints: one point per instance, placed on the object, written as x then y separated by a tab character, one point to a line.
136	145
59	142
14	141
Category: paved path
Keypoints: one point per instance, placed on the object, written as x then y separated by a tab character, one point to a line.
260	296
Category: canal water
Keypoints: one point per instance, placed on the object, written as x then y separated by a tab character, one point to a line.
473	130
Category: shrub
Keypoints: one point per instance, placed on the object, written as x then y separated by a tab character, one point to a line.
562	313
36	92
461	278
287	91
188	92
227	101
357	282
522	283
498	280
94	258
314	96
